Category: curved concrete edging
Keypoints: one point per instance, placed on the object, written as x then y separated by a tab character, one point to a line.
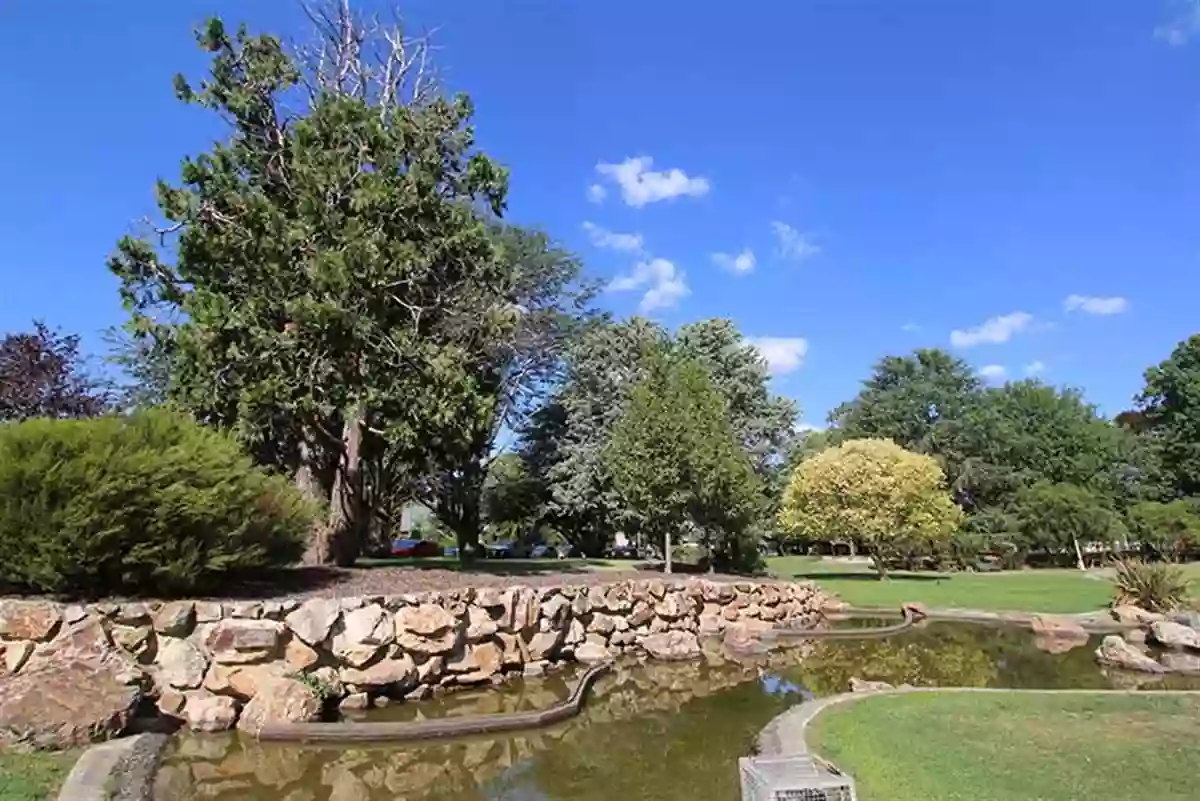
116	770
785	735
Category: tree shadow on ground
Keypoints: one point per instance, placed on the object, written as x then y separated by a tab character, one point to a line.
822	575
487	567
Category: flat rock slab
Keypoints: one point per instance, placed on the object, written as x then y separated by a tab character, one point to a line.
62	705
119	770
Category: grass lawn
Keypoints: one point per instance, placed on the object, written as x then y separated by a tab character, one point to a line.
33	777
1061	591
1000	747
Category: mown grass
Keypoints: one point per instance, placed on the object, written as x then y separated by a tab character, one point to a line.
502	567
1057	591
1000	747
35	776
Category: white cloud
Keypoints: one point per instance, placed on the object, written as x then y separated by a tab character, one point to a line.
596	193
665	284
602	238
994	330
793	244
1035	367
641	185
1183	27
804	428
782	354
993	372
1094	305
910	328
741	263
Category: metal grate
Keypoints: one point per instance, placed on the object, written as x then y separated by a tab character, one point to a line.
796	778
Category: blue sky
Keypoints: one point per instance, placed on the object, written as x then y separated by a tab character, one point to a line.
1016	181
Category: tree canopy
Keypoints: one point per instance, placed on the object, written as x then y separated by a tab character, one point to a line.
872	491
43	374
676	460
1169	412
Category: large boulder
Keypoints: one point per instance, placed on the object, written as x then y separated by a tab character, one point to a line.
180	663
236	641
283	700
1180	662
362	634
80	689
592	653
672	645
314	619
1174	635
29	620
1134	615
1063	627
1116	652
210	713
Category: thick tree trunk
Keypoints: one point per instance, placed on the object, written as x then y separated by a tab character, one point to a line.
316	552
346	507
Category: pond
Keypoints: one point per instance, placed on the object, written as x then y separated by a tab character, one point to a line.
650	732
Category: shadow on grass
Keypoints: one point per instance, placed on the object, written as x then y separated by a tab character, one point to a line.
821	575
490	567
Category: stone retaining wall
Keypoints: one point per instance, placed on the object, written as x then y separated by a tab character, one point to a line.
202	661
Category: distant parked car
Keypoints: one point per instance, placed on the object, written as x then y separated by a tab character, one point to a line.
450	550
415	547
543	552
507	550
568	552
623	552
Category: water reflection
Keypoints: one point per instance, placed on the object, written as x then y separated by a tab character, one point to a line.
655	732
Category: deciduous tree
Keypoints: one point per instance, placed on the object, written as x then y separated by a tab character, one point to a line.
875	492
675	459
43	374
1169	408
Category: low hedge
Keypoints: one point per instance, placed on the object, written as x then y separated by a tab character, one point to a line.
146	504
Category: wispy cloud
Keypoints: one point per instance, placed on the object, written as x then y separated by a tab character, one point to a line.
993	372
994	330
792	244
782	354
805	428
910	328
641	185
1089	304
603	238
1035	368
1183	26
740	263
664	283
596	193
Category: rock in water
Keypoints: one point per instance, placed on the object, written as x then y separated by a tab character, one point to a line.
672	645
1116	652
281	701
591	653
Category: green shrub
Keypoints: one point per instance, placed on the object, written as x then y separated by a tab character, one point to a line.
150	504
1156	587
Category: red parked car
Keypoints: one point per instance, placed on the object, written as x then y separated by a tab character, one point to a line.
411	547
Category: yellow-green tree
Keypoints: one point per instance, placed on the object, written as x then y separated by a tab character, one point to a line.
873	491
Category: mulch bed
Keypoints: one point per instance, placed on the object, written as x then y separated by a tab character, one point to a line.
330	582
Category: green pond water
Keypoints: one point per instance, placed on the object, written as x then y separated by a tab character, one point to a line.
650	732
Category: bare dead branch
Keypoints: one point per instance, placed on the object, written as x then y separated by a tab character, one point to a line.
364	58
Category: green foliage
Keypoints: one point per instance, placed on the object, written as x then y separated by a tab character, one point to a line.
1156	587
1169	414
337	291
675	460
906	397
1056	518
872	490
564	445
152	504
1166	529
